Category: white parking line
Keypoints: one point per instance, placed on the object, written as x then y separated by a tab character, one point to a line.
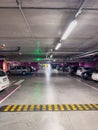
12	82
90	86
9	94
87	84
19	82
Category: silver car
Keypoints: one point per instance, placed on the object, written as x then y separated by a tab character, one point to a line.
19	70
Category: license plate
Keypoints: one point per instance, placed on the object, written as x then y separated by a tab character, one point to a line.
5	79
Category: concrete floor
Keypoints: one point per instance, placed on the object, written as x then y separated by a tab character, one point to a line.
47	88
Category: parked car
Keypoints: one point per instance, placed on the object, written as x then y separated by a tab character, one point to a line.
73	70
32	69
95	75
53	66
19	70
65	69
81	70
88	73
59	67
4	81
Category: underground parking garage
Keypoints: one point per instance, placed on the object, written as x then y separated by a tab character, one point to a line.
48	65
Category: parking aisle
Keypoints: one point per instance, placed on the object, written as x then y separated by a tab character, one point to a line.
52	90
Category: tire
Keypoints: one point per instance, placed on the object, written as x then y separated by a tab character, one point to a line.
85	76
8	72
2	90
23	73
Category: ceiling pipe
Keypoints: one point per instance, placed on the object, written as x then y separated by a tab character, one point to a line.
60	52
67	52
16	50
87	54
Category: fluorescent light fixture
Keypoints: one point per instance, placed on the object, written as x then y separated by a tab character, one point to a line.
58	46
69	29
51	56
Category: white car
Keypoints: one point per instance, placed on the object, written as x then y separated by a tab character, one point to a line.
95	76
81	70
4	81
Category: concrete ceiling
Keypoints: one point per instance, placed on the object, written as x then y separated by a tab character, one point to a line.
47	20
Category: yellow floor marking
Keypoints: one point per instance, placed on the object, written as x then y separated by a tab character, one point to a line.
85	107
7	108
73	107
37	107
31	107
13	108
67	107
62	107
26	108
56	108
50	107
91	106
96	106
43	107
19	108
79	107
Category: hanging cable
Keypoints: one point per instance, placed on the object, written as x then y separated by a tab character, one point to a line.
19	3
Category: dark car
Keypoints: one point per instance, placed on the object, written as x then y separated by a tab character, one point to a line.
19	70
73	70
88	73
32	69
65	69
54	66
59	67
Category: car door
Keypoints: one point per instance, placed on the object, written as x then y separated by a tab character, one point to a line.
79	71
96	75
13	70
19	70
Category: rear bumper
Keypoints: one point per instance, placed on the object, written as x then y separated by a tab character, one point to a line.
4	86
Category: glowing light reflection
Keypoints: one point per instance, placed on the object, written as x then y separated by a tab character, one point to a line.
48	72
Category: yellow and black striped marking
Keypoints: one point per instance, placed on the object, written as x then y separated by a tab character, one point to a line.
55	107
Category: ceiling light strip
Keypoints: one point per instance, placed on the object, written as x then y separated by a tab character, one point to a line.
51	56
58	46
69	30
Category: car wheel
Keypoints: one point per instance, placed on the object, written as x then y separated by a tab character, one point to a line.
85	76
8	73
2	90
23	73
